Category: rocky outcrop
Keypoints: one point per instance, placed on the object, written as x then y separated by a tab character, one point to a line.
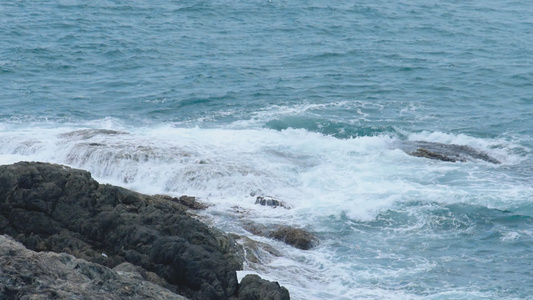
445	152
295	237
270	201
252	287
26	274
55	208
421	152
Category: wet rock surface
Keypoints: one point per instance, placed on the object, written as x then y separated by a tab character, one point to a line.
445	152
421	152
54	208
26	274
270	201
188	202
257	253
295	237
252	287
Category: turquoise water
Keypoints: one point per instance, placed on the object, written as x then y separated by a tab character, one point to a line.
307	101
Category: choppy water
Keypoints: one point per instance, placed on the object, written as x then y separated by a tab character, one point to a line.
307	101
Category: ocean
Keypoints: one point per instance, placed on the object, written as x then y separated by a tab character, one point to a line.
313	103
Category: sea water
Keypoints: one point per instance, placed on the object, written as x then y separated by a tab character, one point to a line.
309	102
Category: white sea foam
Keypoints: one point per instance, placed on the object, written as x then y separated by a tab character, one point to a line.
313	173
318	176
262	116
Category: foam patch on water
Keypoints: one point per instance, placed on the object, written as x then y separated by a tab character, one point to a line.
510	236
359	111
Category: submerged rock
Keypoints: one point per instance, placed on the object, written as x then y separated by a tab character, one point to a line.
445	152
85	134
55	208
421	152
257	253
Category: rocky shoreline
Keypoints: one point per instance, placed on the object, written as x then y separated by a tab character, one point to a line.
65	236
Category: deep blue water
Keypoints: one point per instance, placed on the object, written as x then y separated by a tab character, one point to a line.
308	101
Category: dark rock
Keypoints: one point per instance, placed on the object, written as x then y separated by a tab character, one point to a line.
269	201
187	202
191	202
25	274
54	208
445	152
252	287
296	237
146	238
421	152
